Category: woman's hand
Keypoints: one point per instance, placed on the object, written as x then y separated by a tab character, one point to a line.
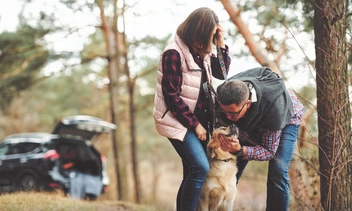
201	132
219	39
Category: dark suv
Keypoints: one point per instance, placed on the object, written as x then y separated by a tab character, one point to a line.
64	159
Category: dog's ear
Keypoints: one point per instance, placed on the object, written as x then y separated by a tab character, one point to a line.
214	142
212	153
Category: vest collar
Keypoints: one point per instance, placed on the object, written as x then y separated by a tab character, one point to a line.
188	56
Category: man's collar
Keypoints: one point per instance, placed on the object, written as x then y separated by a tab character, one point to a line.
254	93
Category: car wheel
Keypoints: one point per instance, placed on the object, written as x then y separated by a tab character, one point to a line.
27	183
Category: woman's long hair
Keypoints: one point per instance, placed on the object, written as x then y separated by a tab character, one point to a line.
196	30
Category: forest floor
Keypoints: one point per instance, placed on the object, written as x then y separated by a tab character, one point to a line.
57	202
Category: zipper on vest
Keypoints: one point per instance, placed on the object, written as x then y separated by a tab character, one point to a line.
167	110
195	69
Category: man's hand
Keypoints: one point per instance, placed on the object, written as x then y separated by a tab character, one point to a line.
229	144
201	132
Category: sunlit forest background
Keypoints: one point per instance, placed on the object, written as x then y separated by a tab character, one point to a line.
55	62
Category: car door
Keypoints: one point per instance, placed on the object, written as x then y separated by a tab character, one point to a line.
9	162
16	157
4	180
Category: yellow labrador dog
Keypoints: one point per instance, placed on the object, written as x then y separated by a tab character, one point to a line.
219	189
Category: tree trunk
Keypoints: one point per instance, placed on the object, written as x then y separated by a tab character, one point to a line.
137	185
131	86
111	37
333	105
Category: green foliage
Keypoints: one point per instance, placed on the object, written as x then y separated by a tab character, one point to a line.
274	13
21	59
94	48
308	12
78	5
71	93
39	108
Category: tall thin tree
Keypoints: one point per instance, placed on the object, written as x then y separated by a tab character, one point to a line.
131	87
333	103
112	40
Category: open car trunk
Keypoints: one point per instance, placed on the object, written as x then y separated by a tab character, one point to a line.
79	165
74	155
74	147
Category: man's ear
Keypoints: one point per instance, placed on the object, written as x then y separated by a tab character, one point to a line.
248	104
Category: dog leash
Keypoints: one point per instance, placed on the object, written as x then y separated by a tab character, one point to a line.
209	90
222	63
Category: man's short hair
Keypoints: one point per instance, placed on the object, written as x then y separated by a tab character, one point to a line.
233	92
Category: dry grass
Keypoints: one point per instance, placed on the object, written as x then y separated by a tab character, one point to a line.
58	202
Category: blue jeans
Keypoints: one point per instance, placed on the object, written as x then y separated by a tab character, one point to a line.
195	169
278	184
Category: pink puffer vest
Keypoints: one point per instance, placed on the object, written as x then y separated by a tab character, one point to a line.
166	124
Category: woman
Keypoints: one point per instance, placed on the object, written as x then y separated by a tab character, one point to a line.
181	110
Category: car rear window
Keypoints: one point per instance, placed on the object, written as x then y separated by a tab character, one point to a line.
21	148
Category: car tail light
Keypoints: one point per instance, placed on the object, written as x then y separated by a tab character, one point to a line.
105	188
103	159
53	185
51	154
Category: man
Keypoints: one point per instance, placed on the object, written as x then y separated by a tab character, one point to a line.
268	117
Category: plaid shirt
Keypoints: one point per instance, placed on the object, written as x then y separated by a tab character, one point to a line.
270	139
172	81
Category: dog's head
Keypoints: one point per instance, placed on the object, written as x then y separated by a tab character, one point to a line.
214	144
